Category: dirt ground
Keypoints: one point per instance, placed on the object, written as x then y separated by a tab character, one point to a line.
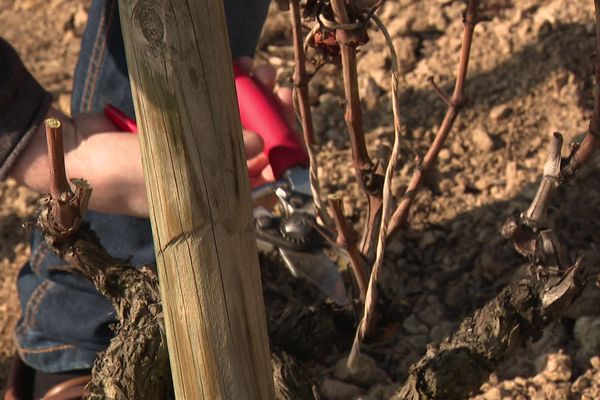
530	75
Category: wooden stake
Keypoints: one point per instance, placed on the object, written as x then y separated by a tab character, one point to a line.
199	199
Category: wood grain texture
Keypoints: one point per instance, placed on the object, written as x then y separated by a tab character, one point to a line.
192	149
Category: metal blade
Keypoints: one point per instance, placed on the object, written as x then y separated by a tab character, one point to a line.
319	270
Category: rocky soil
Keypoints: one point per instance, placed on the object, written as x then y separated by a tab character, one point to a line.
530	75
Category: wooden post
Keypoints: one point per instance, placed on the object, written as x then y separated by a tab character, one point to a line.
191	138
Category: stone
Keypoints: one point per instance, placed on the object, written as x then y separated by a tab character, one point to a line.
412	325
80	18
482	140
367	372
64	103
558	368
444	155
369	92
586	303
499	112
587	334
332	389
372	59
427	239
406	51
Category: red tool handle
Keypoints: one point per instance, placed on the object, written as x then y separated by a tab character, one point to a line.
120	119
260	113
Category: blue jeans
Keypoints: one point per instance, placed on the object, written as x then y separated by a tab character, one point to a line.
65	322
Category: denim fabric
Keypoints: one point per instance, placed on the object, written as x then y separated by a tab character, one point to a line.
65	322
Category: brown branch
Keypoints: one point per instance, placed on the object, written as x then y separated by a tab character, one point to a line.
56	157
347	241
457	102
536	212
66	215
439	91
369	175
458	366
353	109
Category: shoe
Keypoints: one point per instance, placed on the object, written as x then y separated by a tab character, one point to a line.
22	381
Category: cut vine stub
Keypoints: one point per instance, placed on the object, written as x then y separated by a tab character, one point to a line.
62	210
56	157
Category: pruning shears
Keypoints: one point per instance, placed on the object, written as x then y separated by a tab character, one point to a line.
284	213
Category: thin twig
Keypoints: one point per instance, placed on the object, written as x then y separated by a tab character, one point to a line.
56	157
300	77
439	91
457	102
309	38
65	214
372	291
301	94
347	241
536	212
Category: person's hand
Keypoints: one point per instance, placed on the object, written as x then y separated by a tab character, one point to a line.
111	161
259	169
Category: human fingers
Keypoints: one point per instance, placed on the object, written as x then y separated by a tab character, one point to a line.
253	144
257	164
265	176
246	63
265	75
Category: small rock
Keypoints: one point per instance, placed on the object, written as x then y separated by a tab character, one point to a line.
406	49
444	155
371	60
383	391
520	381
275	61
482	184
413	326
446	186
427	239
586	304
367	372
482	140
430	284
440	331
336	390
456	148
396	247
587	334
499	112
64	103
493	394
370	92
511	176
558	368
80	20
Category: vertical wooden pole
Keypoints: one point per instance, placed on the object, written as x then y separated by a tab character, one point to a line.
182	81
